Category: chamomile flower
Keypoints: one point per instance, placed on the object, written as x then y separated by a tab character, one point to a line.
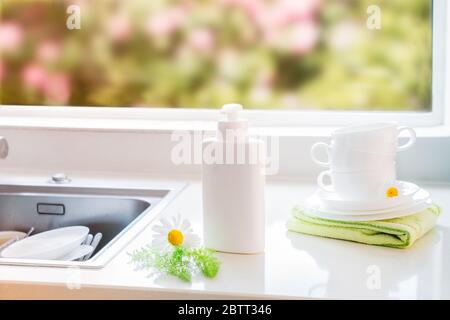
175	233
392	192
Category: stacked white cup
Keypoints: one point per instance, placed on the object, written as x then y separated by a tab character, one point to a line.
361	159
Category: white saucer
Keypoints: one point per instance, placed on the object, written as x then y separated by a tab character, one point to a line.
332	201
415	208
314	203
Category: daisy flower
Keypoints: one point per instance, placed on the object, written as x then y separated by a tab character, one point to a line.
174	233
392	192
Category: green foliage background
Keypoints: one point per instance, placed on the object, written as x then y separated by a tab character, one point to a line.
357	68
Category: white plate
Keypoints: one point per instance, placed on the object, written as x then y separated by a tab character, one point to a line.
52	244
382	216
420	197
333	202
79	252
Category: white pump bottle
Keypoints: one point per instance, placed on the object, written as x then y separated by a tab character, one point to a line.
233	180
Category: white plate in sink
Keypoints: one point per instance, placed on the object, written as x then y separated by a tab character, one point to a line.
47	245
78	253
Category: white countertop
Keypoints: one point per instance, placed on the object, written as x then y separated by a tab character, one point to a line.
293	266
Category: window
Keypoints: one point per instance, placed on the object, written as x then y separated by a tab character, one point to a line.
357	55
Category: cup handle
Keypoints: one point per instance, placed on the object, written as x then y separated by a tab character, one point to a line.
317	146
323	186
410	142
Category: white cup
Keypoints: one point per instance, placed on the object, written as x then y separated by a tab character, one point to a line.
360	186
347	160
367	147
378	138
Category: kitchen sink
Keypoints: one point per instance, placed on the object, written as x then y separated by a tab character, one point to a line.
120	214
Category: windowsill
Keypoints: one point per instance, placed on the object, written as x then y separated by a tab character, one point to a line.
130	146
167	126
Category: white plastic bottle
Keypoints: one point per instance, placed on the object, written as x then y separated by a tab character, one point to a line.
233	181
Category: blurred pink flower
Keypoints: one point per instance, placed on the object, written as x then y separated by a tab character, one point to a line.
57	88
11	35
303	37
202	40
166	22
273	17
34	76
268	18
254	8
295	10
119	28
49	51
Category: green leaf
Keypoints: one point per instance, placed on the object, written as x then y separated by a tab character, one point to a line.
205	260
179	262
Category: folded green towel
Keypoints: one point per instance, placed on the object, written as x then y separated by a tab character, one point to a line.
397	233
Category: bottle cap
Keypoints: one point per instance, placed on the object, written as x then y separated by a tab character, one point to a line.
232	124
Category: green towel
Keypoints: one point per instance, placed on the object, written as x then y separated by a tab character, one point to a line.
397	233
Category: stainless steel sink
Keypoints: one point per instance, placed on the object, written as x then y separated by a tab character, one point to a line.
119	214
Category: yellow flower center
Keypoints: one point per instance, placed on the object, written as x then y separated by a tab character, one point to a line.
392	192
175	237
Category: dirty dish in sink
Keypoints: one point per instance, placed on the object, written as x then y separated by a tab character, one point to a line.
51	244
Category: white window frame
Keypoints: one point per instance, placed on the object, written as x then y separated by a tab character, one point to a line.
24	116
